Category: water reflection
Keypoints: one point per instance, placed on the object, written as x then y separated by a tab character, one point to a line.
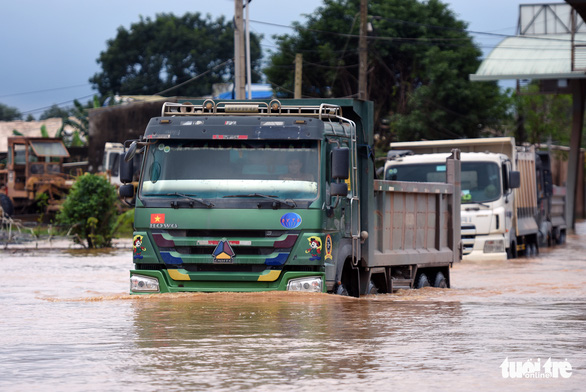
259	341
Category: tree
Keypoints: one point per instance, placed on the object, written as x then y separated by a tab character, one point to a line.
155	55
54	111
8	113
545	117
419	59
89	210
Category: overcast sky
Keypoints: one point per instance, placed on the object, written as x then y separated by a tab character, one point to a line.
49	48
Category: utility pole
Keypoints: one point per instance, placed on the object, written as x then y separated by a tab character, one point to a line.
363	51
248	65
239	54
298	73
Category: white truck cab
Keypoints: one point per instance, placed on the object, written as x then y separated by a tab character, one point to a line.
487	201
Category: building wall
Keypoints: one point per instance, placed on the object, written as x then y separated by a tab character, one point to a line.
118	124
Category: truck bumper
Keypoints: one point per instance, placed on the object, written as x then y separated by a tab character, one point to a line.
174	282
486	248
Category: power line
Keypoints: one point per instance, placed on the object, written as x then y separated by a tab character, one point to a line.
56	104
499	35
195	77
44	91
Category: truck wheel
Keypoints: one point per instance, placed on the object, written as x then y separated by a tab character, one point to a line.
372	289
7	205
440	281
561	238
528	250
512	251
341	290
422	281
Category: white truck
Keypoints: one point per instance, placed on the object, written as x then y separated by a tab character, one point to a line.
506	199
113	153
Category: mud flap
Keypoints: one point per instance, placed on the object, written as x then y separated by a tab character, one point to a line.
364	280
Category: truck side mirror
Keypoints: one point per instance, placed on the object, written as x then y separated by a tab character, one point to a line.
338	189
514	179
131	152
126	170
126	191
340	163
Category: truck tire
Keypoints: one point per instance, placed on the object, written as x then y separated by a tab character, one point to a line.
7	205
422	281
341	290
440	281
528	250
512	251
372	289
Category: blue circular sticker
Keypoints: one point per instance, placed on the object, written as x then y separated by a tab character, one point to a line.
290	220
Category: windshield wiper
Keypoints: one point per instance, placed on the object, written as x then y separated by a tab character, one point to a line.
189	197
289	203
476	208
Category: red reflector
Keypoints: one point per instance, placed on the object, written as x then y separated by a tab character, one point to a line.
230	137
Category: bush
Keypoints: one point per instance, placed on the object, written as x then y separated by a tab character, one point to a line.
90	211
124	226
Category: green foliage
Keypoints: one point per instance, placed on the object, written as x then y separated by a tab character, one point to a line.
545	117
124	226
77	118
8	113
90	211
419	61
154	55
54	112
44	132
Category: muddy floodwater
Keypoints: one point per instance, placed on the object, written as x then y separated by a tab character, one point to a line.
67	324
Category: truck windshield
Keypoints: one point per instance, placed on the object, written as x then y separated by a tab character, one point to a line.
232	168
480	180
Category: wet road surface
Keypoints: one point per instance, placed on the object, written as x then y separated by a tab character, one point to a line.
68	325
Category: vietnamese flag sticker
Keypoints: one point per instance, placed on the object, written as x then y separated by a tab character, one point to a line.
157	218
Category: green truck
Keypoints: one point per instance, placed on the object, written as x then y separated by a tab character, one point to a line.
247	196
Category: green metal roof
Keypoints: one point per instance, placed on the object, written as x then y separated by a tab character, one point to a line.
534	57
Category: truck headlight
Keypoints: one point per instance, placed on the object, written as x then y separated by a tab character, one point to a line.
312	284
139	283
494	246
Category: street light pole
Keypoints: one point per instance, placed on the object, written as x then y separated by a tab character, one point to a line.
363	51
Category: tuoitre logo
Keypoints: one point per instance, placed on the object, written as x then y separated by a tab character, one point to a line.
535	369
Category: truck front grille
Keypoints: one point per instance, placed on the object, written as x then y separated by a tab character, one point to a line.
468	238
201	247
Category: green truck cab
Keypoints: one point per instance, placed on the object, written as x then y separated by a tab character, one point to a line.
277	195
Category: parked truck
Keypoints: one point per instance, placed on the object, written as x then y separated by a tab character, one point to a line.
509	204
34	167
113	153
271	195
